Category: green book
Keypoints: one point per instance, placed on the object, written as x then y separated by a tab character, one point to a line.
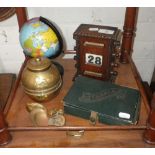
113	104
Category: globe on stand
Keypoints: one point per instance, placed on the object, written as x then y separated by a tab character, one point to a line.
39	37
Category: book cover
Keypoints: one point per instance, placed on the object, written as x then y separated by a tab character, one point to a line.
113	104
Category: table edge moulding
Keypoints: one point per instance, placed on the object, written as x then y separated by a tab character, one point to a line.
148	130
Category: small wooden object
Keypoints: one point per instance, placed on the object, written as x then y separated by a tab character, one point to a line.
96	48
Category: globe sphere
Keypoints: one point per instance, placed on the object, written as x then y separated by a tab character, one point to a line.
39	39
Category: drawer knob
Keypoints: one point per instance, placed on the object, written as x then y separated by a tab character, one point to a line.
114	64
115	73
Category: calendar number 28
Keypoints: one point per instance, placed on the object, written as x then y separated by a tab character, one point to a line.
93	59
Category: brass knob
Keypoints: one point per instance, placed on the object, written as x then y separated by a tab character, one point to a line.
115	73
117	49
115	55
117	43
114	64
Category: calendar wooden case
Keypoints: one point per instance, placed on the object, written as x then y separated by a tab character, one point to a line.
96	50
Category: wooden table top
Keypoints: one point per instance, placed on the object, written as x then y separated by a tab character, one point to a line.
107	135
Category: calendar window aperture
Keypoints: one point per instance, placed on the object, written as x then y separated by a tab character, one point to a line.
93	59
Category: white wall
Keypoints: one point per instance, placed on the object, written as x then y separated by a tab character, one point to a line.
144	46
11	56
68	19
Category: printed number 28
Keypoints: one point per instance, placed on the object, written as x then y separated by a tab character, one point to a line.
94	60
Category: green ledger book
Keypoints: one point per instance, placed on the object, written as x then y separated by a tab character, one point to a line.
112	103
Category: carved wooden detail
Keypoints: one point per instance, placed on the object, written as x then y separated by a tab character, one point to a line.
129	33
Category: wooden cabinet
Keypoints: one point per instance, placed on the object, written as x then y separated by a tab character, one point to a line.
24	134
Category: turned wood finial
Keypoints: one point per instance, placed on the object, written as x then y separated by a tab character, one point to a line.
128	33
21	16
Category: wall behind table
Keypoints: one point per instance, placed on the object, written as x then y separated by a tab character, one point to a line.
68	19
11	56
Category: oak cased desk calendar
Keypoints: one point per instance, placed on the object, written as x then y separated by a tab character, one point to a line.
96	50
